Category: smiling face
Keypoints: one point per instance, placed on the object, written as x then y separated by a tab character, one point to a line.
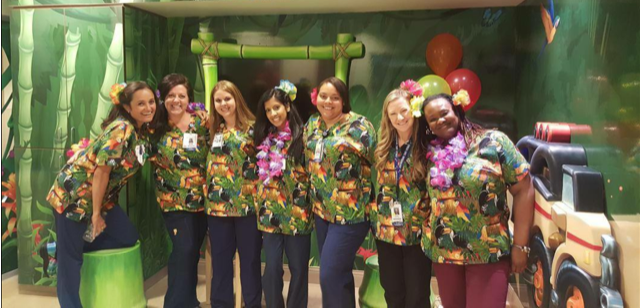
441	118
142	106
277	112
225	104
399	112
177	101
329	102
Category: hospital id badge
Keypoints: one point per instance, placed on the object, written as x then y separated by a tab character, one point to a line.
317	156
190	141
396	213
218	141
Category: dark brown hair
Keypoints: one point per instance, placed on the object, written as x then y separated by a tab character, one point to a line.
125	98
160	123
342	89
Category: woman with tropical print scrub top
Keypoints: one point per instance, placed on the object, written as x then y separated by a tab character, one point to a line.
401	203
339	153
230	192
87	188
467	235
284	215
179	156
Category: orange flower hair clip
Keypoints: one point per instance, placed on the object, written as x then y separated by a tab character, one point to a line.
116	89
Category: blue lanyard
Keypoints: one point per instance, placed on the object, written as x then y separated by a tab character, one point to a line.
398	165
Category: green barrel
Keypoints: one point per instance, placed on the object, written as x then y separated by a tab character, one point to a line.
113	278
371	291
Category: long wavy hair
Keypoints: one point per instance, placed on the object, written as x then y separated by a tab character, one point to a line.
125	98
387	137
263	126
160	123
244	116
470	130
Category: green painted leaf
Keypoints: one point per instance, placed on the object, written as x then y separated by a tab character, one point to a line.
10	243
44	209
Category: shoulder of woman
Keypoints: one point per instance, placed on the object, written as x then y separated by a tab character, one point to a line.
313	119
120	125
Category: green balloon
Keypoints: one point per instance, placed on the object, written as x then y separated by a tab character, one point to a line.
434	84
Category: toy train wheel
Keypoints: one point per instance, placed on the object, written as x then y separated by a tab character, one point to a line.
575	299
539	266
576	289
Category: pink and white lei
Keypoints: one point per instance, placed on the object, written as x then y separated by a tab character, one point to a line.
271	163
446	158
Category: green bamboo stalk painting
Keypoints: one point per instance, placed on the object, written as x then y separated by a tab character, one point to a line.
67	77
111	76
25	90
342	52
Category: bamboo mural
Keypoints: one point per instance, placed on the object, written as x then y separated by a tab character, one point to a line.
111	76
341	52
25	91
67	77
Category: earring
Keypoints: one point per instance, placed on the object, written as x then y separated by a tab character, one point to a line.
429	132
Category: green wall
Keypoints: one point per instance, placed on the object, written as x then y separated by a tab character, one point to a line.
9	217
589	74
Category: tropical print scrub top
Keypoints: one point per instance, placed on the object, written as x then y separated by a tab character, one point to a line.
179	168
118	147
468	221
232	174
412	198
283	205
341	187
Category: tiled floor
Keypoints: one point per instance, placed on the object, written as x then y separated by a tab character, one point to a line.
155	294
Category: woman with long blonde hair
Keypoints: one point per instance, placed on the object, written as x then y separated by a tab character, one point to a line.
401	204
229	192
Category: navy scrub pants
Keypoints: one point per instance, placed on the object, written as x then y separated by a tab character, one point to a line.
297	249
338	245
187	231
119	233
227	234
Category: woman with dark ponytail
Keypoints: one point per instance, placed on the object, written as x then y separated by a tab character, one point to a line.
85	193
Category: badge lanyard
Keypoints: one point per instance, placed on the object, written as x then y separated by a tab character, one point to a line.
320	146
398	165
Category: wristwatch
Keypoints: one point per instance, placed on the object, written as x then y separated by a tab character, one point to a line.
525	249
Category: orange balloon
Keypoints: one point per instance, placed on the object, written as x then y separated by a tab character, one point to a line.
444	54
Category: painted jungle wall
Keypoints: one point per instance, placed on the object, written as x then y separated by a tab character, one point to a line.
590	74
9	219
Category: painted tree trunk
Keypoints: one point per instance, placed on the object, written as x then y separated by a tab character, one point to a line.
111	76
25	91
68	76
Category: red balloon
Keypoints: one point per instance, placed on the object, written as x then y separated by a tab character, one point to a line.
467	80
444	53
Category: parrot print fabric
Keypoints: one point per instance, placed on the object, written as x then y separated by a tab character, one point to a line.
339	160
232	174
283	202
469	221
120	147
180	169
412	197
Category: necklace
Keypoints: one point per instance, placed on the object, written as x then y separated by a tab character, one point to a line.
446	158
272	163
